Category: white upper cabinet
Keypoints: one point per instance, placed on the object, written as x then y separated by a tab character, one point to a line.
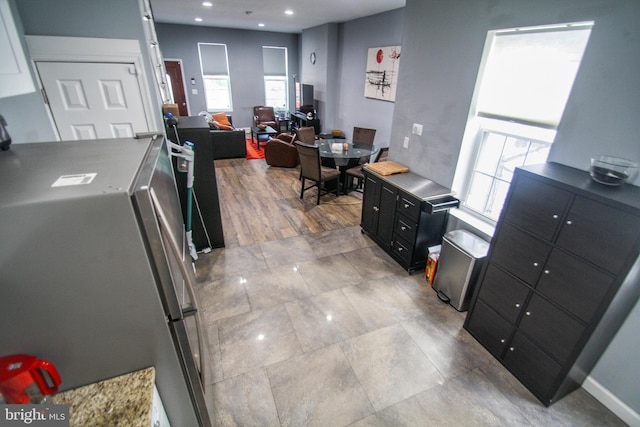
15	77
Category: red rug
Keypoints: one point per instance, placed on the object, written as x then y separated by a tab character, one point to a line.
253	152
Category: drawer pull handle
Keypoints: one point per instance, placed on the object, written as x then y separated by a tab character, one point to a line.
511	348
403	228
528	313
502	340
569	222
535	264
546	272
517	305
376	209
406	206
555	216
400	249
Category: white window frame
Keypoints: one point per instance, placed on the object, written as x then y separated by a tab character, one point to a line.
281	109
208	80
479	124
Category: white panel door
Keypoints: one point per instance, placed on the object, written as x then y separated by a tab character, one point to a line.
93	100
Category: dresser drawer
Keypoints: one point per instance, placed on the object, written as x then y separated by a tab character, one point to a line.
551	328
503	293
403	250
573	284
540	215
491	330
520	254
599	233
409	206
532	366
405	228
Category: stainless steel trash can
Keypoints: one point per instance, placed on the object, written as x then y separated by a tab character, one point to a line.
458	267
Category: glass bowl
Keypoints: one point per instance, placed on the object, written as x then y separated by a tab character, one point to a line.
610	170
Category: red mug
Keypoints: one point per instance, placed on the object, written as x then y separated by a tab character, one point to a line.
26	379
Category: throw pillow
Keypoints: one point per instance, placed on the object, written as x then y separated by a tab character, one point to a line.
222	120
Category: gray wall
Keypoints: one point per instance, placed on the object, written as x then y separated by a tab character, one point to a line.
441	52
244	51
26	115
339	73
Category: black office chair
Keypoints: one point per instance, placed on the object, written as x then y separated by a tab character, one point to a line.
311	169
357	173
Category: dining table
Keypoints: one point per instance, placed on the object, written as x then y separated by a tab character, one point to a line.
343	154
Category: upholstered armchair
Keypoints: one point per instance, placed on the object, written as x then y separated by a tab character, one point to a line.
266	116
281	152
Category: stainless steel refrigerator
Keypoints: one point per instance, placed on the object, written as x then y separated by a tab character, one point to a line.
95	274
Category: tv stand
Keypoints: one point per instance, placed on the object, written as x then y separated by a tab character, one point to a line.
299	119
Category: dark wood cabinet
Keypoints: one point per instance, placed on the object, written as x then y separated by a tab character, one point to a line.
405	214
206	217
299	120
556	284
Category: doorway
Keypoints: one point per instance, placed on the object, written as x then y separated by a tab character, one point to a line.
176	83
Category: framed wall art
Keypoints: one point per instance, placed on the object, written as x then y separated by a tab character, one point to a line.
382	73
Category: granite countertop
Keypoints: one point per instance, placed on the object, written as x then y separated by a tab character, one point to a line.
121	401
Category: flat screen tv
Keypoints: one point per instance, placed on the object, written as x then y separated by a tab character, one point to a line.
306	93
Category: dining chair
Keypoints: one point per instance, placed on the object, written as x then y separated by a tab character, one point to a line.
363	136
311	169
357	173
306	135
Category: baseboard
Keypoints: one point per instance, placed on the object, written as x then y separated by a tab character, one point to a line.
608	399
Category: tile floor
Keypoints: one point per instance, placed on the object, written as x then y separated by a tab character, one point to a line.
326	329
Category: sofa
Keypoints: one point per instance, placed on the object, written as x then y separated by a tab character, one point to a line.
227	142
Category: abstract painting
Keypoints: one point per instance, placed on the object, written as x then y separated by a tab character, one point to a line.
382	73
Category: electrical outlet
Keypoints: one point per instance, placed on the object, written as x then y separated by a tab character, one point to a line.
406	142
417	129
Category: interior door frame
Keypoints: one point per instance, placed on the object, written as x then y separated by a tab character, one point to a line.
83	49
184	81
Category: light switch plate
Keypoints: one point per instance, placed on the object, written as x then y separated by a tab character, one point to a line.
194	91
417	129
406	142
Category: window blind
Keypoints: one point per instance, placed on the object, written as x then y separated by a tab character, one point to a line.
213	59
529	74
274	60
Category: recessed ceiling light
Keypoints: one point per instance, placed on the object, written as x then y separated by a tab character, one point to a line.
288	12
261	25
207	4
198	19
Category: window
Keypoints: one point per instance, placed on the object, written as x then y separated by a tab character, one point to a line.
274	60
215	76
522	88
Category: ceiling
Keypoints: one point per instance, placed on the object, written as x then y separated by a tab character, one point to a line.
271	13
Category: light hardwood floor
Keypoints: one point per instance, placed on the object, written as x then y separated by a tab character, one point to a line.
260	203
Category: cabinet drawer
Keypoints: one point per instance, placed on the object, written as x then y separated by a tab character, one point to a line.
532	366
503	293
405	228
403	250
409	206
551	328
520	254
573	284
491	330
540	215
591	232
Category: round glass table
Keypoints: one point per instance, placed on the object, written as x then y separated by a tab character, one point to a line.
343	154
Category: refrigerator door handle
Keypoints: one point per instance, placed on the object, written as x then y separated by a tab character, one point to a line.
164	226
